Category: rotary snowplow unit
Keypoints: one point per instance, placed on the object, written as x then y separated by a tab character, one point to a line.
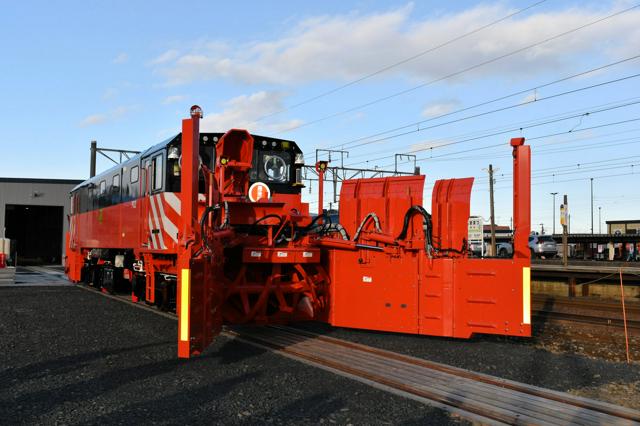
388	265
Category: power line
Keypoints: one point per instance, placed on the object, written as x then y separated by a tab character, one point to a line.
518	125
501	98
555	150
481	64
469	117
517	129
558	169
585	147
404	61
580	179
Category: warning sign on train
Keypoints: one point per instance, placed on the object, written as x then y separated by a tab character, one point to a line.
259	191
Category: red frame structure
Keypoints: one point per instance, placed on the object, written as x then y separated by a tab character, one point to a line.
389	265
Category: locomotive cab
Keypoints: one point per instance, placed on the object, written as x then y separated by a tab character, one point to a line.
276	162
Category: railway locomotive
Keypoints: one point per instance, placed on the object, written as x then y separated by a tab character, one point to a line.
213	227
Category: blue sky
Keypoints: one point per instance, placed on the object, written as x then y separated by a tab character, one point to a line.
125	73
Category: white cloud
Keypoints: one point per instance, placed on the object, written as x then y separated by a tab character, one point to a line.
121	58
167	56
114	114
348	46
92	120
109	93
243	111
173	99
440	108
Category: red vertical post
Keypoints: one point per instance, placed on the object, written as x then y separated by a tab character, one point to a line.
521	198
522	220
189	231
321	166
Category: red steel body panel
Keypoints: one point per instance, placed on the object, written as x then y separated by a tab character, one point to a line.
450	204
388	197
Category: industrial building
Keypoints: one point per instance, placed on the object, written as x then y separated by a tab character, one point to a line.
33	214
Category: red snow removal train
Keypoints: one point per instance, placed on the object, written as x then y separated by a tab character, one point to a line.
213	226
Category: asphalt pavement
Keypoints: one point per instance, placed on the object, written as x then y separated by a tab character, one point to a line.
70	356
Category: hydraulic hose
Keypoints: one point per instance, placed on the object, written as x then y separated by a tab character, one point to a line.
366	219
207	211
427	225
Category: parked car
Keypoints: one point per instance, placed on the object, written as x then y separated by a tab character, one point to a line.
542	245
502	249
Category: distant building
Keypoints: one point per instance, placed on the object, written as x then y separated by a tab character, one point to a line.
623	226
33	214
503	233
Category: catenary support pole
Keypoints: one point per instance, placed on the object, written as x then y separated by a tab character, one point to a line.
493	221
554	212
92	167
592	205
565	231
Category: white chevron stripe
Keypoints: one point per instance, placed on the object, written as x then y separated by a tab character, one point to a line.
157	221
151	234
173	200
169	227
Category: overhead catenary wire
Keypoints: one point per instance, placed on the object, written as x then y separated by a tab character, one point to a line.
464	70
347	144
578	179
434	143
590	165
517	129
555	149
505	108
396	64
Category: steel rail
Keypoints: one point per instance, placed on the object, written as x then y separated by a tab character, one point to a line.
477	396
605	313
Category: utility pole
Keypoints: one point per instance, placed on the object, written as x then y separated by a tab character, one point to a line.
592	205
599	220
554	212
92	167
564	220
493	222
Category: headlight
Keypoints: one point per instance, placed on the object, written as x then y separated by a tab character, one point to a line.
174	153
299	158
275	168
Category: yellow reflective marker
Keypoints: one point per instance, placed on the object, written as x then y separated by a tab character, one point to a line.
184	304
526	295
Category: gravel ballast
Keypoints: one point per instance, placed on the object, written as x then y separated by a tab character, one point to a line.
69	356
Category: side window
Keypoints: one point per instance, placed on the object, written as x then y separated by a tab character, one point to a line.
91	198
158	174
134	177
102	194
134	174
115	189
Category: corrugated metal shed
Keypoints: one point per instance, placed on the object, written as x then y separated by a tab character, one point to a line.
36	192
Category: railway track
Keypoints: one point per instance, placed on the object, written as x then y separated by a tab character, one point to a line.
586	311
477	397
